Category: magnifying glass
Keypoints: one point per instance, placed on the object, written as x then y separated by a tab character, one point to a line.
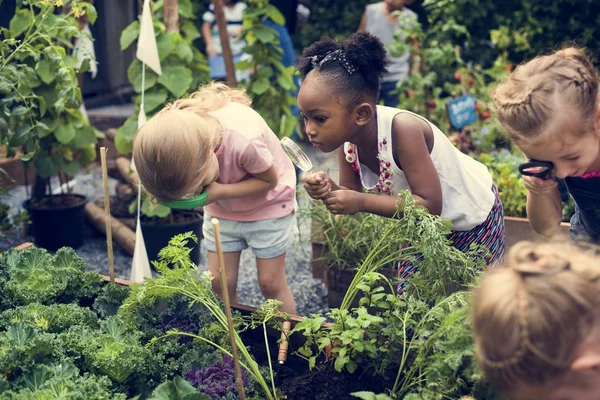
536	168
295	153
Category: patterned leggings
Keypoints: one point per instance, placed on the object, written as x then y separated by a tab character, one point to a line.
490	233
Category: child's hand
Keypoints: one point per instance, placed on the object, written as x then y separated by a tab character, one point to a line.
318	185
215	192
344	202
539	186
211	51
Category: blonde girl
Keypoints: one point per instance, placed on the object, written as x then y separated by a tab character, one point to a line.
215	141
550	108
537	323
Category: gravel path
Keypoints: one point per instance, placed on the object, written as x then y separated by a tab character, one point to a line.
310	294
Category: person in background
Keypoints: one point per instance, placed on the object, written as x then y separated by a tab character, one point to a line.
234	12
379	21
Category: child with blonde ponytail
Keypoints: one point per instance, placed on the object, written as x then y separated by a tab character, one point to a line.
550	108
537	323
214	142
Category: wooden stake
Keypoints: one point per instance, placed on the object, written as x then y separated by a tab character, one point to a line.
224	36
111	261
225	294
283	346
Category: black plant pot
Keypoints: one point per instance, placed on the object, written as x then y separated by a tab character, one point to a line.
157	236
55	225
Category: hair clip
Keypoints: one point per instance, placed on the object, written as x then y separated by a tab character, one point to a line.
339	55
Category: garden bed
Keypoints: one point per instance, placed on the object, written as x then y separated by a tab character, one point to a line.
293	378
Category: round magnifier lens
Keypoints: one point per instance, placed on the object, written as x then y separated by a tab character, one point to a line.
295	153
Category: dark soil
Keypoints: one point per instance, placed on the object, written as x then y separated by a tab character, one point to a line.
58	201
297	382
325	383
120	209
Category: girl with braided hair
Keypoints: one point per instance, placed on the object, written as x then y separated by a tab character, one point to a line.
537	323
550	109
382	150
214	143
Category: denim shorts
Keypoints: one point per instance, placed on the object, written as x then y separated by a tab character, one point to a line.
269	238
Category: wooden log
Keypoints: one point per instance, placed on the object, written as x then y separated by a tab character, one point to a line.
123	164
121	234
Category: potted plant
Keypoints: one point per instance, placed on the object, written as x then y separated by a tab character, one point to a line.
41	116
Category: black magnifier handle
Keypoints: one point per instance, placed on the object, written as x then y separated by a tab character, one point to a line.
538	169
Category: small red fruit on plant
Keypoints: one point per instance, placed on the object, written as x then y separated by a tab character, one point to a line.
508	67
410	93
457	76
431	104
469	81
478	106
485	115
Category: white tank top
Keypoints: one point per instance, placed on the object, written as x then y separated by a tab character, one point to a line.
466	183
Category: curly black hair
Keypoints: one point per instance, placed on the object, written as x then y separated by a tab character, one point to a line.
363	51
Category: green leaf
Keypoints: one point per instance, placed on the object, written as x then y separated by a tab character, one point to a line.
165	45
85	137
19	110
185	9
370	396
130	34
22	20
46	70
46	166
64	132
184	51
177	79
42	105
274	13
134	73
124	135
87	155
154	100
260	86
265	34
189	31
177	389
71	168
20	136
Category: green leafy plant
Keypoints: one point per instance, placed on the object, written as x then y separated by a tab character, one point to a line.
40	95
443	74
183	66
272	85
34	275
180	276
177	389
387	333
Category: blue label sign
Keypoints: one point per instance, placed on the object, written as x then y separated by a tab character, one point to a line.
461	111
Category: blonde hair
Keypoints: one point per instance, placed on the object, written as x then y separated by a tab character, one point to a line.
539	89
171	150
530	317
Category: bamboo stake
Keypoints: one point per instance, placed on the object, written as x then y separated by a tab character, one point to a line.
283	346
111	261
225	294
224	36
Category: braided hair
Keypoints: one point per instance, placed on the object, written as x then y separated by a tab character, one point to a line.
541	88
352	67
530	317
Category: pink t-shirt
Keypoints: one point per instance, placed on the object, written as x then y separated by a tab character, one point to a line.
249	147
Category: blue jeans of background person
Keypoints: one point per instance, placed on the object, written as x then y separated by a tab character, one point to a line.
389	94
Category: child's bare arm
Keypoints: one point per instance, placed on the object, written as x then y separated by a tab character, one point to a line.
208	40
544	207
258	184
413	142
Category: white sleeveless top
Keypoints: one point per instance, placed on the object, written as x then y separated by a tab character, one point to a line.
466	183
